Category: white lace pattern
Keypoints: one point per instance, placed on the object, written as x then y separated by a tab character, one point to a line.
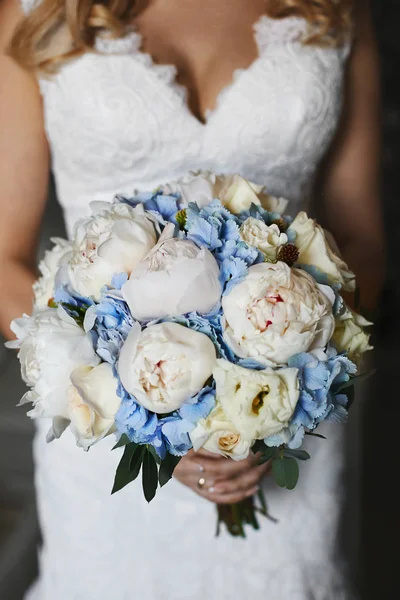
117	122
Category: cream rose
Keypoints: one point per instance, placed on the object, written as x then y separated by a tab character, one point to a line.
237	194
92	403
165	364
350	335
111	241
267	238
258	403
315	249
186	276
276	312
51	265
217	435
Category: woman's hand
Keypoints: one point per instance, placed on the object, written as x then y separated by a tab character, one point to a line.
218	479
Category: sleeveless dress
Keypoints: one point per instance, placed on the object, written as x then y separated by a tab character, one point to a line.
117	122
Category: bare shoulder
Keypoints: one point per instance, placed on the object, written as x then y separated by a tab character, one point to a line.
19	89
11	14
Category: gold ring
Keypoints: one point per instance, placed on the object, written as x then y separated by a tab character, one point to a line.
201	483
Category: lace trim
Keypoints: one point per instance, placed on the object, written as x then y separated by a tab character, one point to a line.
131	44
271	32
28	5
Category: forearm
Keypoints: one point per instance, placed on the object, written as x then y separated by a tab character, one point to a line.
16	295
368	263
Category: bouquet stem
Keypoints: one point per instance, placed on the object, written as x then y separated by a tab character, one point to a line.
236	516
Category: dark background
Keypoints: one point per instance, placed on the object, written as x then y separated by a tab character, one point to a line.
373	429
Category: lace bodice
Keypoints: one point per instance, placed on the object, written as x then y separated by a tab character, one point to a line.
117	122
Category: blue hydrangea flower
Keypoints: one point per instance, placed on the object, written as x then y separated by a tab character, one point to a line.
164	207
319	399
112	322
73	303
218	230
169	433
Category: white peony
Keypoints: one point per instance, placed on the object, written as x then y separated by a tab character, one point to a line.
267	238
165	364
113	240
276	312
175	278
315	249
217	435
350	335
258	403
67	383
49	268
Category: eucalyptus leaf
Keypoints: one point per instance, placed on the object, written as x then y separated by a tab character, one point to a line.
167	467
285	472
123	441
129	467
149	476
267	454
299	454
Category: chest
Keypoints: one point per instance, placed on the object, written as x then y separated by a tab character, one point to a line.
205	40
117	119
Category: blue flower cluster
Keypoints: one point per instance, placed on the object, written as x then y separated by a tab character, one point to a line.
165	434
319	399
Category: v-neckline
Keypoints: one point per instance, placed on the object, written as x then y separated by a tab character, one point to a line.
170	72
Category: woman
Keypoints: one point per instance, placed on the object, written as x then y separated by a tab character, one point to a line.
128	94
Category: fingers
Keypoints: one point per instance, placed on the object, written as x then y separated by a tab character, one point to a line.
221	467
225	481
231	498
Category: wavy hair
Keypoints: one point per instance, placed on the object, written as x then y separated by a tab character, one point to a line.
56	31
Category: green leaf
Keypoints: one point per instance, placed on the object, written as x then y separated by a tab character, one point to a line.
318	435
123	441
129	467
285	472
167	468
149	476
152	450
357	379
299	454
267	454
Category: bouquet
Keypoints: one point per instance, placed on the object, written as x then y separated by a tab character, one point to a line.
195	316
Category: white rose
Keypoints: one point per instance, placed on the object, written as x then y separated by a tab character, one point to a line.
266	238
175	278
51	347
350	335
111	241
217	435
276	312
258	403
165	364
49	268
315	249
93	403
237	194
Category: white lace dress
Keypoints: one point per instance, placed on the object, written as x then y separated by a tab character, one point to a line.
116	121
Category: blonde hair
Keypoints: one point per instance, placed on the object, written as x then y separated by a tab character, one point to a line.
60	30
